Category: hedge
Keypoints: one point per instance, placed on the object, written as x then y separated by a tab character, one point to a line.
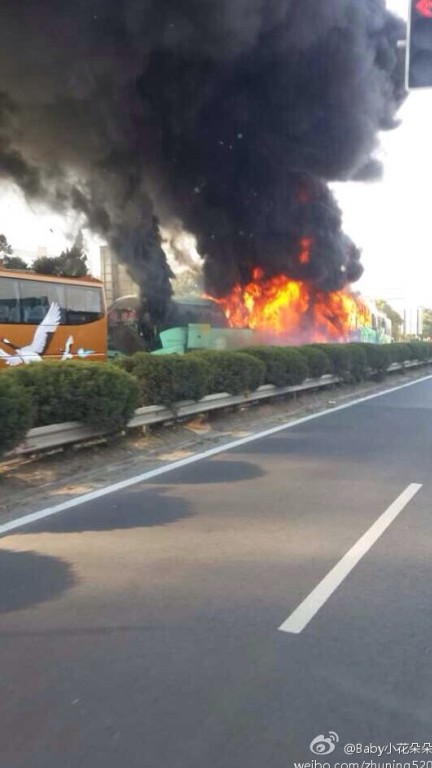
420	350
15	413
340	358
234	372
318	361
98	395
165	380
400	352
377	358
106	396
284	366
359	366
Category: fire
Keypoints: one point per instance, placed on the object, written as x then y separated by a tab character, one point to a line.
293	311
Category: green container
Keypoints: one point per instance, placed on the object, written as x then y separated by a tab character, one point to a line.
173	337
199	336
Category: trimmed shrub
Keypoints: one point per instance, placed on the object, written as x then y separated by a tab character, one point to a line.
274	364
297	369
165	379
419	350
228	371
377	357
317	360
399	352
99	395
340	358
359	365
284	366
15	412
189	376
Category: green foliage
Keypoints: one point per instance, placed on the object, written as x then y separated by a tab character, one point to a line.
106	396
275	364
45	265
317	360
99	395
394	317
284	366
377	358
419	350
15	412
427	323
13	262
233	372
254	370
71	263
5	247
7	259
297	369
166	379
340	358
399	352
358	363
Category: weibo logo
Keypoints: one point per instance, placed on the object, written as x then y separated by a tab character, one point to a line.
424	7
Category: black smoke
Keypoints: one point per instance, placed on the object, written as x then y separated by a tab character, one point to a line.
230	115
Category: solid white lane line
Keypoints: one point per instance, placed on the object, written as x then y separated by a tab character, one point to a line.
302	615
123	484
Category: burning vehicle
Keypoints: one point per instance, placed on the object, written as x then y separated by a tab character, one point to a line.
278	311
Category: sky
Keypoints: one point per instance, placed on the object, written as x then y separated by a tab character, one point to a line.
28	227
388	219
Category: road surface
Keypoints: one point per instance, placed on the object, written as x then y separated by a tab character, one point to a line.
150	628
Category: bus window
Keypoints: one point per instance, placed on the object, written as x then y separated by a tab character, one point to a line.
79	304
9	303
83	304
36	297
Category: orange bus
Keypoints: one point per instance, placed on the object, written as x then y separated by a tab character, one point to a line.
45	317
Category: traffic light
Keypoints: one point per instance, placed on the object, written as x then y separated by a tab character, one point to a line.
419	54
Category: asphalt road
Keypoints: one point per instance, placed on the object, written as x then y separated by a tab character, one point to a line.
141	629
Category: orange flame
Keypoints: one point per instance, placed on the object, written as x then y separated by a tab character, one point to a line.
292	310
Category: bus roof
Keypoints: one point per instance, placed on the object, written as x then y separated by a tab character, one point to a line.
25	274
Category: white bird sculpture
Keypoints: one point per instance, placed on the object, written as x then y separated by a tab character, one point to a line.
32	353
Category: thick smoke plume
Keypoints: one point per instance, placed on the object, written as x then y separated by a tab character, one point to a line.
230	115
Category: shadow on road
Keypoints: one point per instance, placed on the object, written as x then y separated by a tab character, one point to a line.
28	578
214	471
131	508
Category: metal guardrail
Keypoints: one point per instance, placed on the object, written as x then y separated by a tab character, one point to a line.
60	435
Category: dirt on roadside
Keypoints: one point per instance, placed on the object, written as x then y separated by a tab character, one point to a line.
32	483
